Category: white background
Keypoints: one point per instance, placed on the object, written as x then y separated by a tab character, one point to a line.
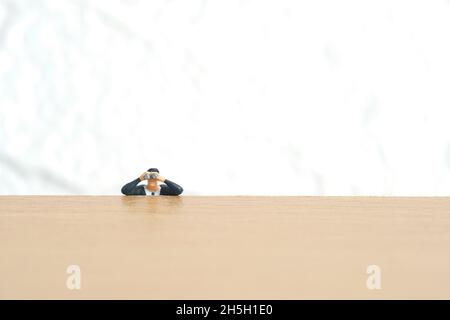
226	97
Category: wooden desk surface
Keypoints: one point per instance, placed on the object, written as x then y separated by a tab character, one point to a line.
224	247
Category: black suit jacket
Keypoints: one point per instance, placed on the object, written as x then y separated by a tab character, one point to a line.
169	188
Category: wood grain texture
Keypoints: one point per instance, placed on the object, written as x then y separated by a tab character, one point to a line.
224	247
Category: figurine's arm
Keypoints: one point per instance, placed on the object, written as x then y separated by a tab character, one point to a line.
132	189
170	188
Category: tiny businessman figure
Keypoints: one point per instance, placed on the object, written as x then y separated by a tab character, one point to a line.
153	188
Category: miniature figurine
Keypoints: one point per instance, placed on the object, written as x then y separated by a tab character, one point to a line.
153	188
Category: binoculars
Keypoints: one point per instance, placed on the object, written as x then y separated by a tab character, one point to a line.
150	175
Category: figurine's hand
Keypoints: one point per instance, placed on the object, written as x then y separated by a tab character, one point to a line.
161	178
142	176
